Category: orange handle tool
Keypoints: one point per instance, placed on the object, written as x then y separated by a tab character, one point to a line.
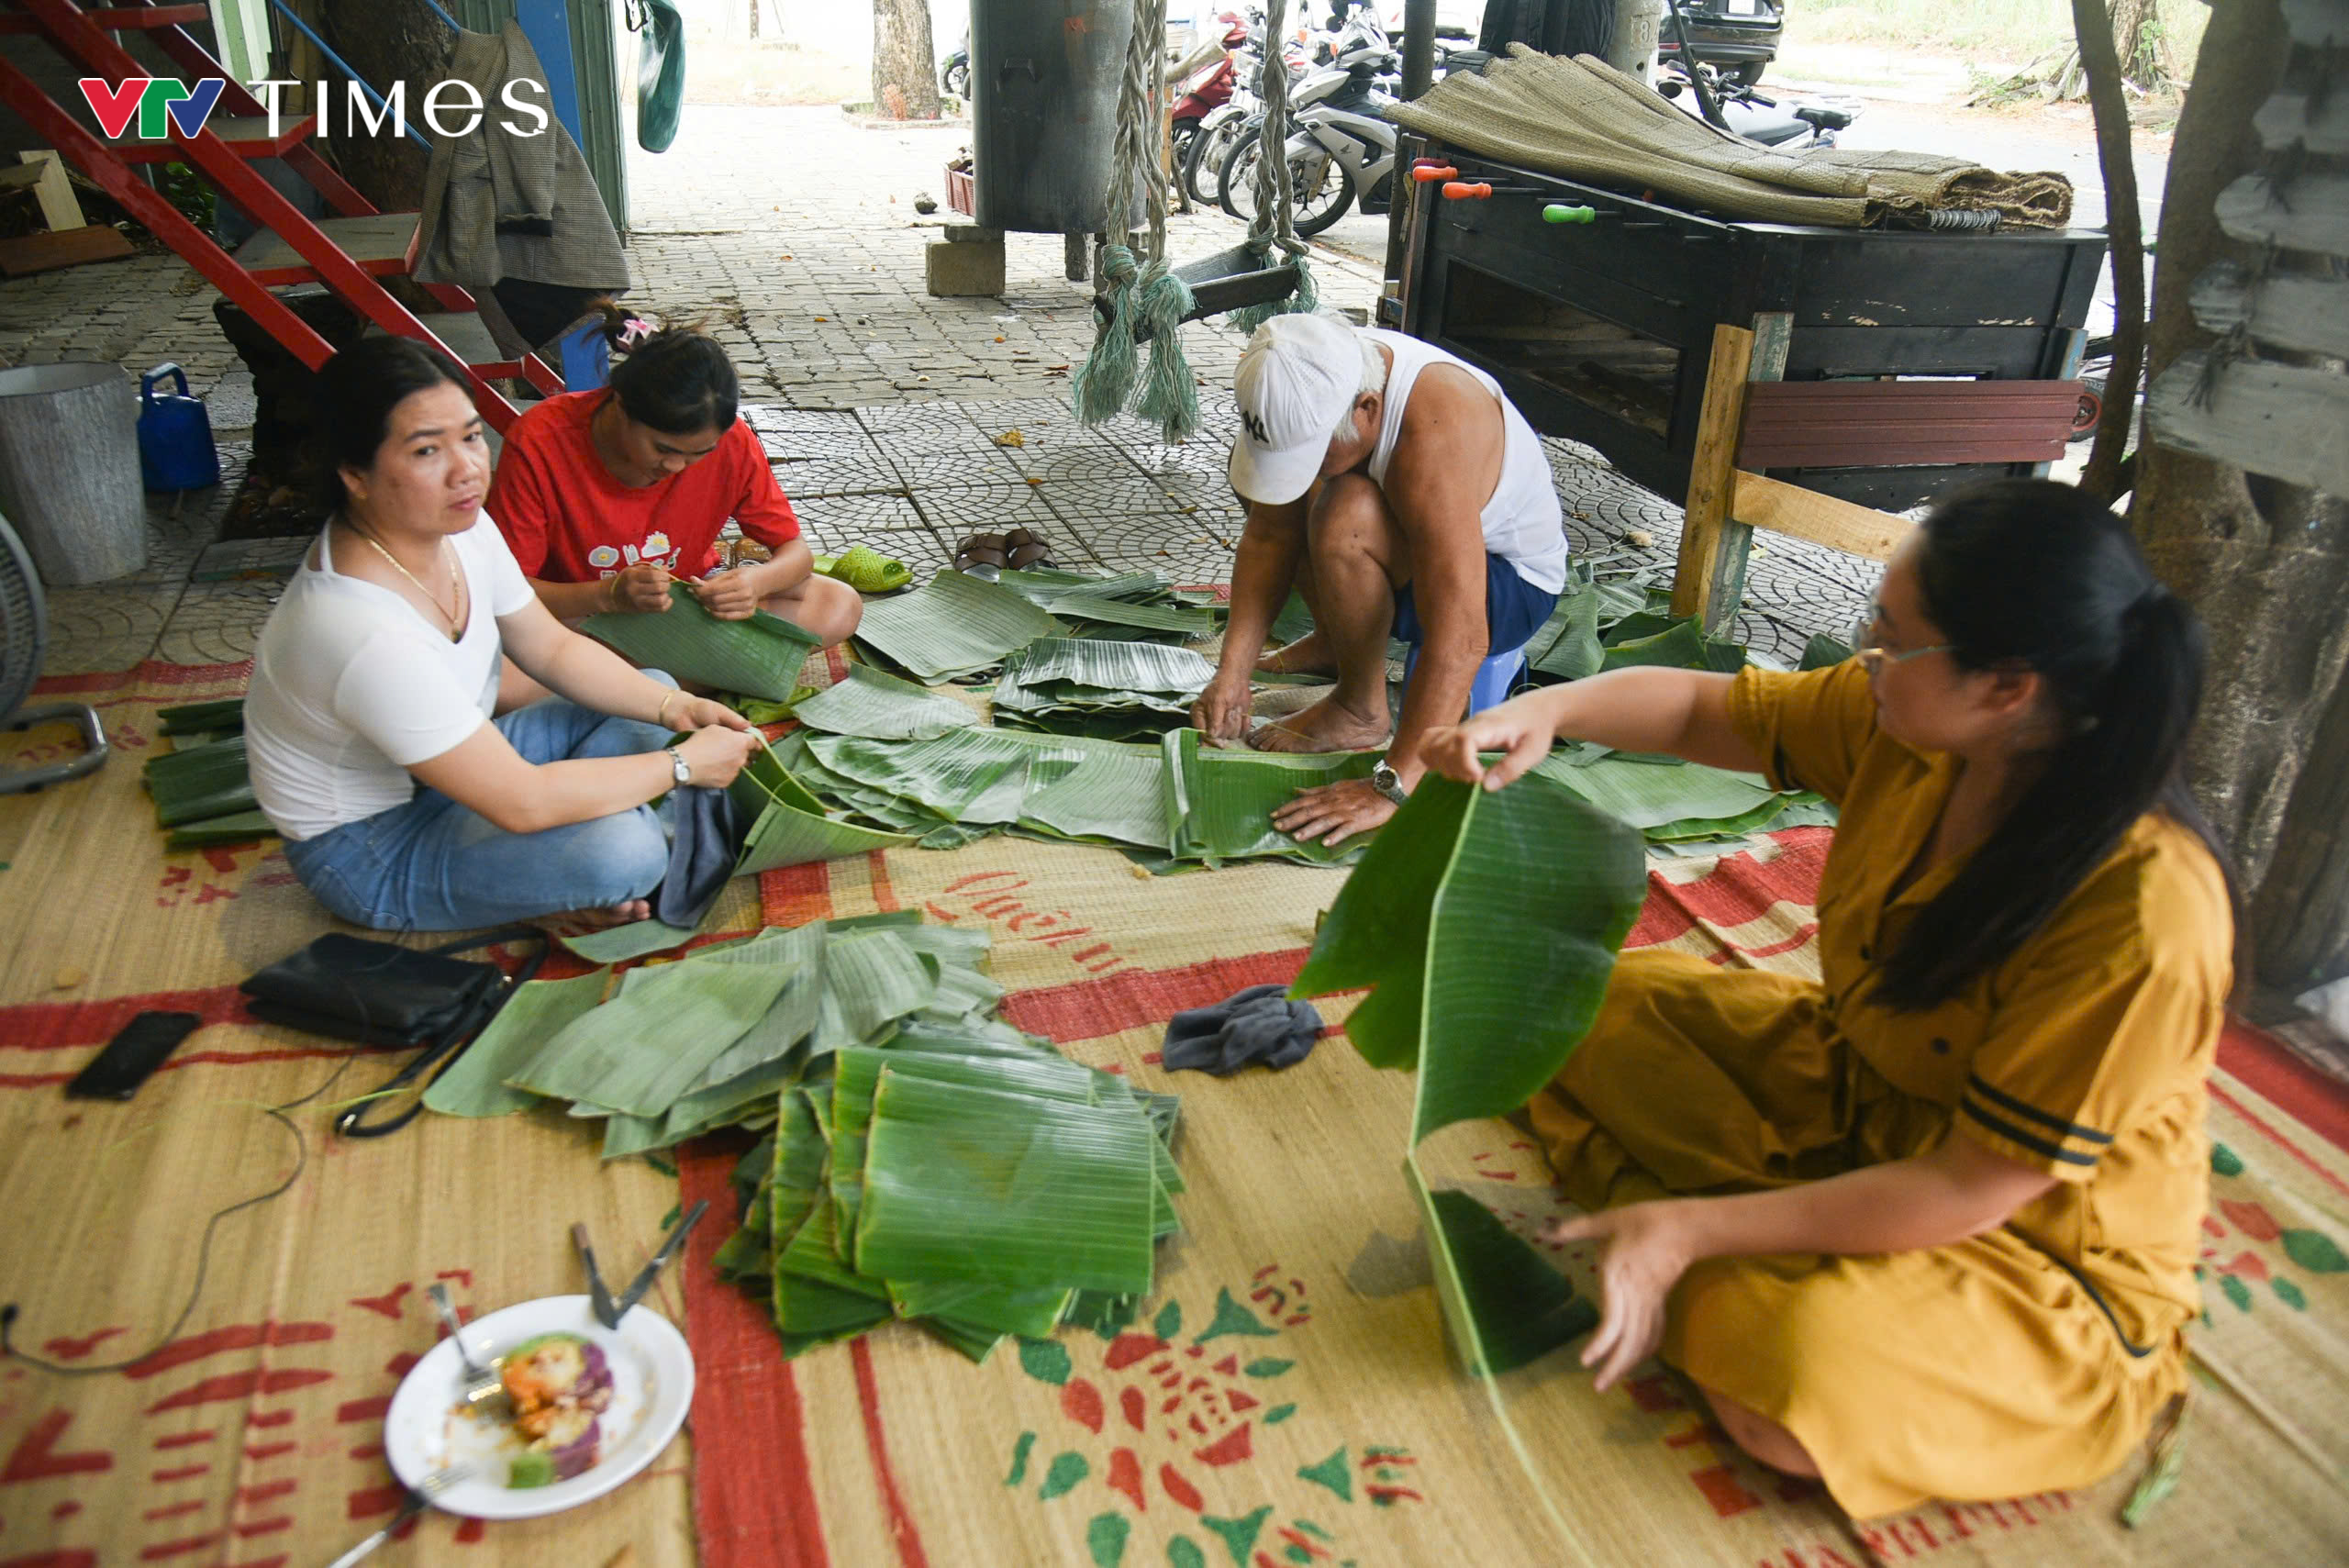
1464	190
1423	172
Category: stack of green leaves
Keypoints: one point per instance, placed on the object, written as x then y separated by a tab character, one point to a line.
204	792
1118	691
760	657
953	627
1673	802
664	1052
1129	606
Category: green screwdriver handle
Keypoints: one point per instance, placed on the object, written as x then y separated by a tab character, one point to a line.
1558	212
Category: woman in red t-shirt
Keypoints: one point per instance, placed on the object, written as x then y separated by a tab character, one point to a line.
605	496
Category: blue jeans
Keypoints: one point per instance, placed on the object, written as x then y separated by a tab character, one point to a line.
434	865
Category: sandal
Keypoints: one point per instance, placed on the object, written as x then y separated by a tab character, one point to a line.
1017	551
866	570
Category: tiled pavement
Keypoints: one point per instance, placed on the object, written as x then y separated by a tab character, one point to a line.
792	237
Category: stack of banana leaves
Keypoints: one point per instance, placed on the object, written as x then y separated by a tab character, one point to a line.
1117	691
759	657
203	794
1127	606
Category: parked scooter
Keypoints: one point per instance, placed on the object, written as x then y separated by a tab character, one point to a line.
954	74
1749	114
1205	93
1341	151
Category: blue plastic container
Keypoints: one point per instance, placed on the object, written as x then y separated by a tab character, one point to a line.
175	446
1495	676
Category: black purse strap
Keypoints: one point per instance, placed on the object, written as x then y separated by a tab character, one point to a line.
466	1029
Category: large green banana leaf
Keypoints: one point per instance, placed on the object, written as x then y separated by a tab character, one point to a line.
1013	1190
880	706
1568	646
760	657
954	625
1112	798
1823	652
1485	924
1645	796
650	1043
475	1084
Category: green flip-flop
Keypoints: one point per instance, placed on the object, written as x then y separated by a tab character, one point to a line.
866	570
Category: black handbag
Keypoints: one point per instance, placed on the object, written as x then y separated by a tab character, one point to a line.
379	993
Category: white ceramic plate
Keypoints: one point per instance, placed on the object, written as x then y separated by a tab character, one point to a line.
653	1384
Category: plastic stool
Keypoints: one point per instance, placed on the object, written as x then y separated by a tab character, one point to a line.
1495	676
585	355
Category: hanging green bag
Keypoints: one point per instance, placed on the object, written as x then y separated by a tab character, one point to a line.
660	73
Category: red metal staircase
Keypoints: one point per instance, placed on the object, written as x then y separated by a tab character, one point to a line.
349	253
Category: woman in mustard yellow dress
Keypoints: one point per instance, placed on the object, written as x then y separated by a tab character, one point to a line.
1925	1228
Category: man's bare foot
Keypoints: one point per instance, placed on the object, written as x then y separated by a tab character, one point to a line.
1326	726
579	922
1308	655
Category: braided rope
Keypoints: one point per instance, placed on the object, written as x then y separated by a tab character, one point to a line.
1106	380
1273	222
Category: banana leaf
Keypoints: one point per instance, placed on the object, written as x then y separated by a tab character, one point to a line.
1485	924
193	785
1568	646
1505	1305
237	828
880	706
1823	652
223	715
1189	622
1682	646
965	775
1639	626
790	1018
856	1072
1053	671
1294	620
760	657
474	1083
650	1043
1649	798
877	979
1112	798
617	944
1220	803
956	625
1013	1190
982	1308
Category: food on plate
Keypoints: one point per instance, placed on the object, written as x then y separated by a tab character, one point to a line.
559	1383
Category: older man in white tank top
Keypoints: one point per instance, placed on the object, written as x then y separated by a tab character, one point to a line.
1396	488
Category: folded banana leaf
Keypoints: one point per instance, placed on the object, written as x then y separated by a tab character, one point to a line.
880	706
987	1310
237	828
224	715
474	1083
1013	1190
1681	646
1568	646
1506	1305
954	625
760	657
198	784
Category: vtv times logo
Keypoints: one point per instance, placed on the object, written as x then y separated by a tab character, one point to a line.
452	109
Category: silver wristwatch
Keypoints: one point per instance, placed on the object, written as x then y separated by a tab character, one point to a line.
679	766
1387	781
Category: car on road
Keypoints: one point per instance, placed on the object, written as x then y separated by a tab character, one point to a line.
1740	36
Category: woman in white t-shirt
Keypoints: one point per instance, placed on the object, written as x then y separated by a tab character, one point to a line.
407	802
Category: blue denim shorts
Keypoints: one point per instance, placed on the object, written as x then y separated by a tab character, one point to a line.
1514	609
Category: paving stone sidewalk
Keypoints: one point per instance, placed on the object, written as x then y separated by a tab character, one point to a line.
792	236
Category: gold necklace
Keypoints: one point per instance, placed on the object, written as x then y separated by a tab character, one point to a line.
456	586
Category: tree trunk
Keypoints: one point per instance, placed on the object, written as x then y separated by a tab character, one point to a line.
2125	224
905	63
386	41
754	15
2266	565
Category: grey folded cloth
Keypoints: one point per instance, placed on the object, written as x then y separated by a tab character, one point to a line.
701	855
1258	1024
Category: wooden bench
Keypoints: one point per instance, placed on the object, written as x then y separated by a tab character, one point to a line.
1752	421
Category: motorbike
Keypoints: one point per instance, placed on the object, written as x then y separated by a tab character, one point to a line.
1749	114
954	73
1341	151
1205	93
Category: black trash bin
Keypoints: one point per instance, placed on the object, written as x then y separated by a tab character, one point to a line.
1044	83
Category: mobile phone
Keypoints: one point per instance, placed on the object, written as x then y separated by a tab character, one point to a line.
132	1055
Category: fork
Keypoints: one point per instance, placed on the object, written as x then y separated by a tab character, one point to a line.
481	1382
424	1495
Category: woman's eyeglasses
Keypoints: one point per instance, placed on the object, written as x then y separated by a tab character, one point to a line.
1874	658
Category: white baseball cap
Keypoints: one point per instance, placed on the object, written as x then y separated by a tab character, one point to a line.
1296	377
